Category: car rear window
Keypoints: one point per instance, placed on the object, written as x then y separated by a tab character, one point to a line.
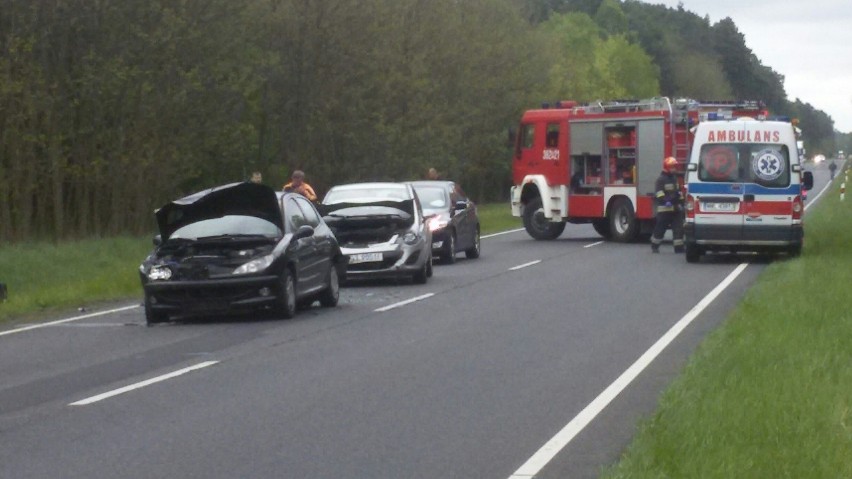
762	163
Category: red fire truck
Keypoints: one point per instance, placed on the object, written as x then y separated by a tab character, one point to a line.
597	163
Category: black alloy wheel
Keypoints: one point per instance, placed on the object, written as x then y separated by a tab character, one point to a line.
474	251
422	275
151	316
448	256
693	252
287	294
331	294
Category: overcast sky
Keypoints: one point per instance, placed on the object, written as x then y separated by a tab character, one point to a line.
809	42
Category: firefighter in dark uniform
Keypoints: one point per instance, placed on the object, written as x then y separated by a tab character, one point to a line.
669	202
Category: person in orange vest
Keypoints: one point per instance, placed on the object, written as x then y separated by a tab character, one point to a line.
669	201
297	184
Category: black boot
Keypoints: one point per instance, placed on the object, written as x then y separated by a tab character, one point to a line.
678	249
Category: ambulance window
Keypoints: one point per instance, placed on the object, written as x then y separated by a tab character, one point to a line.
527	135
718	163
768	165
765	164
552	135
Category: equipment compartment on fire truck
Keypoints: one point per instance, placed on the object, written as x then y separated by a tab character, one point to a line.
596	163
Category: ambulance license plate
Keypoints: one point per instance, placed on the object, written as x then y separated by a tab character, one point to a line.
364	258
725	207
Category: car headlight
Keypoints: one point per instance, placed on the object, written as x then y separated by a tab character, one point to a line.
410	237
255	265
437	222
160	273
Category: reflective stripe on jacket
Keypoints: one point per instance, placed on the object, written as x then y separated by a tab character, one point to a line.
667	190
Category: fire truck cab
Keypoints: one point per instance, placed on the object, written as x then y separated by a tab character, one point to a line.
597	163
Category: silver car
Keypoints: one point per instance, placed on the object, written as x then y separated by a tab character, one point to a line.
381	229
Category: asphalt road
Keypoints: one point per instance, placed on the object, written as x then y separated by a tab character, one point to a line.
489	363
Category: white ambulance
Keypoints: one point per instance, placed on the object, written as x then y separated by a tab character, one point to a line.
744	185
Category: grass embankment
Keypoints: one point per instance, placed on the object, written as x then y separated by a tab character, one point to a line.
769	394
496	217
43	277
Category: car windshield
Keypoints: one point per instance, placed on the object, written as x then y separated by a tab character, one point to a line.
232	225
366	194
764	164
431	197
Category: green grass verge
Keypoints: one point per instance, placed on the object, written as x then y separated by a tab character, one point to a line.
44	277
769	394
496	217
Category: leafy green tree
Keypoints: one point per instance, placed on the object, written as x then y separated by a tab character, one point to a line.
611	18
587	67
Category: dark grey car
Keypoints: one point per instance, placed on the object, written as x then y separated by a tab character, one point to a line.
453	219
238	247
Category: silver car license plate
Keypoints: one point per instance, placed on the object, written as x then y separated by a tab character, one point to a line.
364	258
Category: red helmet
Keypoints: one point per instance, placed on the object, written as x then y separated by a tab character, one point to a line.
670	163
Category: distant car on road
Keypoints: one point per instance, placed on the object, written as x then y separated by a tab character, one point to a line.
239	247
452	218
381	229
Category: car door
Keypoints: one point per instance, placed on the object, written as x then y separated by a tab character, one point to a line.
324	243
303	251
461	218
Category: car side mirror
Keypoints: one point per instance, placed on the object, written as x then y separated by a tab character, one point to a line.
157	240
808	180
304	231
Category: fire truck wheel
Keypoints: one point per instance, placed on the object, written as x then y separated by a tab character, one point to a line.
602	227
622	221
537	225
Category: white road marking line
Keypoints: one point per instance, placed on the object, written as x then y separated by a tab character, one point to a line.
142	384
68	320
552	447
501	233
593	244
823	190
521	266
403	303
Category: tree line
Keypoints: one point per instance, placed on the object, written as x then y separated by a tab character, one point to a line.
108	108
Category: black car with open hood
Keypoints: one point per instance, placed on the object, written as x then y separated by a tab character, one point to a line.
239	247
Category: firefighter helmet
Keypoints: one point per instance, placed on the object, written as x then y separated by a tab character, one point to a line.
670	163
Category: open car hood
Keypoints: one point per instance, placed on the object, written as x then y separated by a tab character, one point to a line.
245	198
378	208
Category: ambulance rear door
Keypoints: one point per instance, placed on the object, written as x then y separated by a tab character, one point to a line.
719	195
769	194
